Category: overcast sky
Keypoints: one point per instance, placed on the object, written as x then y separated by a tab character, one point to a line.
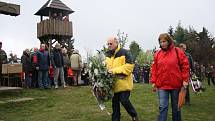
95	20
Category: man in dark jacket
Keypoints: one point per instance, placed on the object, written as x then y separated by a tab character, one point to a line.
58	64
210	74
3	58
146	70
26	65
183	47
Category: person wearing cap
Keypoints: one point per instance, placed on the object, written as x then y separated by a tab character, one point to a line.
76	65
169	74
26	65
120	63
58	64
3	58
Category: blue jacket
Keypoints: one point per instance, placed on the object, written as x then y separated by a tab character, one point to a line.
43	60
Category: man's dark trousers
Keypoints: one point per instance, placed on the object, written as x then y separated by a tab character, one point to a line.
123	98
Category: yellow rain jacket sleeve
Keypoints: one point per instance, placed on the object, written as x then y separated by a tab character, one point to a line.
121	64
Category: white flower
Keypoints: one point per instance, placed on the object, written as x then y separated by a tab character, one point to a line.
103	63
96	71
102	106
90	65
100	84
99	74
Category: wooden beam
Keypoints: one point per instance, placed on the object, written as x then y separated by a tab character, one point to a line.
9	9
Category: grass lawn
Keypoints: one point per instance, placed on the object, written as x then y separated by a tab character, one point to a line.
78	104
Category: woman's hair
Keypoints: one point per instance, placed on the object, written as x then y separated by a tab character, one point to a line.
167	37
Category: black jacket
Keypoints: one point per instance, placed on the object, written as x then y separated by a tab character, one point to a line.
26	62
57	58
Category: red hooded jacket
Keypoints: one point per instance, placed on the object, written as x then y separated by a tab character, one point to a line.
170	68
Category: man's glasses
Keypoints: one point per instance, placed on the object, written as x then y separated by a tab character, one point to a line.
109	43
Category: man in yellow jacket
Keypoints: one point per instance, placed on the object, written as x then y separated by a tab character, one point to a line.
120	63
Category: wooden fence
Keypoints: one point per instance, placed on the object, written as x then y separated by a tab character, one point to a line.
55	27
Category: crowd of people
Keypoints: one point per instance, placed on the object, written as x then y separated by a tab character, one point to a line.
170	75
141	73
203	72
44	70
170	71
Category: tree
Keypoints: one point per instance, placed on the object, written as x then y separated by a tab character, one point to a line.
134	49
170	31
123	38
206	53
199	44
141	58
145	57
180	34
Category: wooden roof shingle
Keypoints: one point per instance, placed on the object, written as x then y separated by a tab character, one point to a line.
53	6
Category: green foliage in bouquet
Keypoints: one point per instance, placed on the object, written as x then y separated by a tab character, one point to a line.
102	80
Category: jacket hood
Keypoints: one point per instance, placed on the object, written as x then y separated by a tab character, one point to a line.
75	51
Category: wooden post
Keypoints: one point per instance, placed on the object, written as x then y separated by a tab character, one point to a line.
41	18
50	14
50	45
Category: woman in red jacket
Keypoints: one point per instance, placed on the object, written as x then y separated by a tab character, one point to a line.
169	72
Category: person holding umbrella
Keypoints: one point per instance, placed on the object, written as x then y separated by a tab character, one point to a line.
183	47
169	73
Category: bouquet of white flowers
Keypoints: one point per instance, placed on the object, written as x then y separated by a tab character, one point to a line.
102	80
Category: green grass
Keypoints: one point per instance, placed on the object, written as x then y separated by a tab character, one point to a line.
78	104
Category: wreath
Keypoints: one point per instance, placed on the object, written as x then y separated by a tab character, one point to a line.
102	80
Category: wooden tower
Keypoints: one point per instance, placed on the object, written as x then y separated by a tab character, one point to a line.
56	27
